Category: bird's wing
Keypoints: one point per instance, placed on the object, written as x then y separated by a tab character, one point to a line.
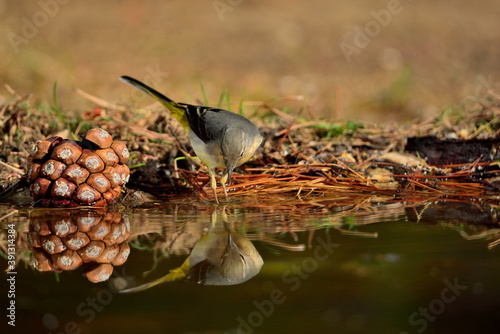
198	273
201	121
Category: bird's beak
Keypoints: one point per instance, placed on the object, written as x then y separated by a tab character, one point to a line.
229	238
229	173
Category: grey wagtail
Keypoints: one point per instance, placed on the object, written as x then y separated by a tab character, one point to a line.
220	138
220	257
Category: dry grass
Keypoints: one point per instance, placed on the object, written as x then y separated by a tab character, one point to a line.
300	158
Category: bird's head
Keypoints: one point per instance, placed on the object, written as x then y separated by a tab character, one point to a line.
233	148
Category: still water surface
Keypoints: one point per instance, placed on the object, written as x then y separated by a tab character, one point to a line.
364	267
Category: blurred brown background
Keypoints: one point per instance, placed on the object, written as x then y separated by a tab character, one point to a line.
363	60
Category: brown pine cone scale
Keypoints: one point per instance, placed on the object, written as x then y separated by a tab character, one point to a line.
66	173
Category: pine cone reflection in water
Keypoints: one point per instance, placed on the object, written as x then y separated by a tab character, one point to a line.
66	240
64	172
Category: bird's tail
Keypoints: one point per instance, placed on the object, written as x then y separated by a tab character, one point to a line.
177	110
174	275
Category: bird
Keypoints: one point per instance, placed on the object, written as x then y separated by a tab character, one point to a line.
220	257
220	138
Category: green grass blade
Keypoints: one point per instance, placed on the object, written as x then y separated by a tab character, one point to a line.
55	108
241	109
204	94
221	98
228	103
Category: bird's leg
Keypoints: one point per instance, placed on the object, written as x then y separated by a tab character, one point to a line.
223	180
225	191
213	221
227	225
213	183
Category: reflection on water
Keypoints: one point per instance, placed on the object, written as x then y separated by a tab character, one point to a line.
368	265
62	240
220	257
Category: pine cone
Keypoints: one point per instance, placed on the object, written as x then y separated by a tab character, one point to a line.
64	172
95	239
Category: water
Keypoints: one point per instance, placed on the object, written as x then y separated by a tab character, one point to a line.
362	265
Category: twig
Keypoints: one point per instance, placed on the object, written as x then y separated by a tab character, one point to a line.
13	212
17	170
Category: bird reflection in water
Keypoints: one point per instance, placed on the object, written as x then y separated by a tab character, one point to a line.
220	257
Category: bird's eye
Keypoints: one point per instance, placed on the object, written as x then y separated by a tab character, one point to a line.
244	261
